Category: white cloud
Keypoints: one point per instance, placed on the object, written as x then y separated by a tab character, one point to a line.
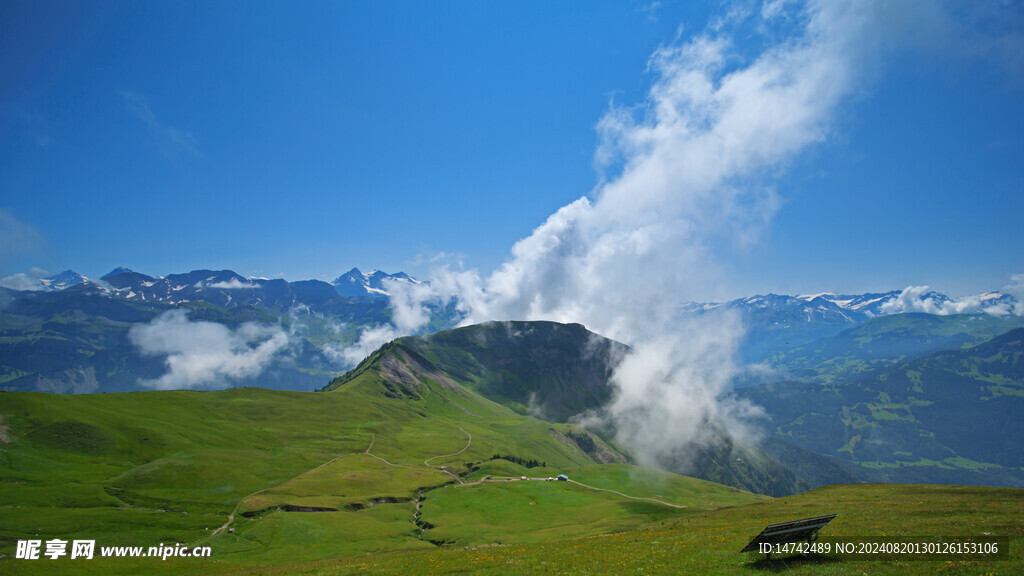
921	299
206	354
369	340
233	284
1016	289
670	392
31	280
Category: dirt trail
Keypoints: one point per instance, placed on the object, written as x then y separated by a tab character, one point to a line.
468	444
373	438
509	479
445	470
628	496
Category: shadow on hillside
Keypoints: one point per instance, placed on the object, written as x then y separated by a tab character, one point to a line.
779	564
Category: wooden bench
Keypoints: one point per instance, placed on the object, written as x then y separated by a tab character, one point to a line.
805	530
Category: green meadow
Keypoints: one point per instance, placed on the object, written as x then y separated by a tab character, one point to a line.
401	477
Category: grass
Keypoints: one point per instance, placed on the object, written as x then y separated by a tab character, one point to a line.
709	543
282	537
242	471
350	481
518	512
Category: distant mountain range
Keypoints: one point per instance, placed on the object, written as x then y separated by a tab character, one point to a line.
776	319
70	333
777	323
177	288
74	334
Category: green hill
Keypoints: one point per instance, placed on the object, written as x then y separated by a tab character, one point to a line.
555	371
549	369
951	417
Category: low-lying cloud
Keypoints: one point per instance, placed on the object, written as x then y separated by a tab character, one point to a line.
31	280
203	354
922	299
233	284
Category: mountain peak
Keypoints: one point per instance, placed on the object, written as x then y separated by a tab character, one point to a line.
556	369
356	283
65	279
116	271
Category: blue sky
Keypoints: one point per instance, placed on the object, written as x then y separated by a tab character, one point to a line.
306	138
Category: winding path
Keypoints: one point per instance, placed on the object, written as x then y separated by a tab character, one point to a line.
627	495
445	470
511	479
468	444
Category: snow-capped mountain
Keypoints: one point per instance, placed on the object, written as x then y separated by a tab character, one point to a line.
64	280
31	281
228	289
815	309
356	283
869	303
920	299
222	287
773	321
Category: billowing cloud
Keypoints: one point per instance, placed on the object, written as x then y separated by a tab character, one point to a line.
409	303
690	180
922	299
1016	289
204	354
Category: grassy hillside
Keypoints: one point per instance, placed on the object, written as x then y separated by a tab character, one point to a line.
548	369
949	417
709	543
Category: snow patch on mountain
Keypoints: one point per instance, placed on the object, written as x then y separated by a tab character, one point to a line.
373	284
